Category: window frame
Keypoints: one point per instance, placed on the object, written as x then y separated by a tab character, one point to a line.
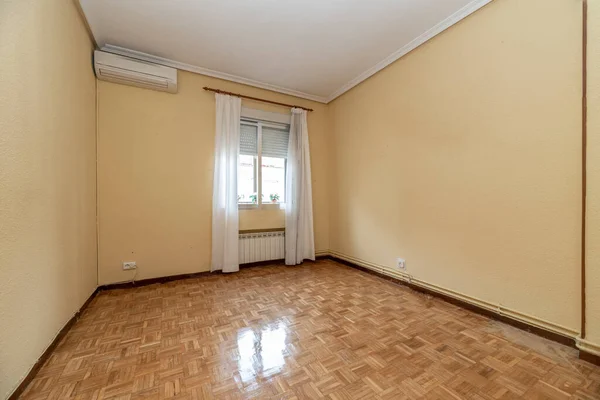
251	206
259	205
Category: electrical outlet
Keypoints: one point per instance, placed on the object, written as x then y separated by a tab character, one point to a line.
129	265
401	264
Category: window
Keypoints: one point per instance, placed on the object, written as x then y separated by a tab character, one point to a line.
262	163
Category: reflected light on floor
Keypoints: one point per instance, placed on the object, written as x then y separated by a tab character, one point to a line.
262	352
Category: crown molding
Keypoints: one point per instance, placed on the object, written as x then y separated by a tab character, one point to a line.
424	37
138	55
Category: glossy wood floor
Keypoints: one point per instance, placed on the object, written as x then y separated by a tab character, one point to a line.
316	331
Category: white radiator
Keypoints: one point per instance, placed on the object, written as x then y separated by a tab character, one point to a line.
263	246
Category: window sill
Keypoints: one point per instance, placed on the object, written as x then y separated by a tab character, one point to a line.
273	206
264	206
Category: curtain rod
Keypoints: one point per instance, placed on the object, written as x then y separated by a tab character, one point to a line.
254	98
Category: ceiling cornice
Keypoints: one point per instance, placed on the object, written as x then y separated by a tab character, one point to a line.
424	37
429	34
208	72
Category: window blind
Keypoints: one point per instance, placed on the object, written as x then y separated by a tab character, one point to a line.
248	140
275	142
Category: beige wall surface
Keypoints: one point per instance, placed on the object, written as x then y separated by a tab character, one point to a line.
593	181
464	158
155	173
262	219
47	178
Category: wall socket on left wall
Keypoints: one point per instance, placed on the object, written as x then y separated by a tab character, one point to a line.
129	265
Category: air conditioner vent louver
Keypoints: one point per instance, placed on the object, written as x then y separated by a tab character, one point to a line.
134	79
127	71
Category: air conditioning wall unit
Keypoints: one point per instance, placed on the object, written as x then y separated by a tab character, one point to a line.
128	71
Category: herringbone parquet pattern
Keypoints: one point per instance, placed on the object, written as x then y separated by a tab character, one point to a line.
315	331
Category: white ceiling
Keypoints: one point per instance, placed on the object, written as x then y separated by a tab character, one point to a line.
316	49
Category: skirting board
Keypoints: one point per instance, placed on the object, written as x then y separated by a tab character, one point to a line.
588	351
164	279
46	354
122	285
520	320
589	357
153	281
589	348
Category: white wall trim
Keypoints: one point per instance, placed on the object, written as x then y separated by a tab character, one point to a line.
138	55
495	308
322	253
587	346
418	41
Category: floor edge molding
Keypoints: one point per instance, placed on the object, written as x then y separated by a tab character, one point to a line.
164	279
558	336
588	351
51	347
589	357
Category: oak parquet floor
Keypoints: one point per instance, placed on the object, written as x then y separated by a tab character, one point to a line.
309	332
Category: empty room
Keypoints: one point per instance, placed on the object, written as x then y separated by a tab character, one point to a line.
316	199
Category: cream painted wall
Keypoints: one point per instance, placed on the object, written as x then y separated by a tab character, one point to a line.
155	172
593	185
47	178
262	219
464	158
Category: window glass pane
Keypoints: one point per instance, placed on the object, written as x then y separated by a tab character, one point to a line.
247	179
273	179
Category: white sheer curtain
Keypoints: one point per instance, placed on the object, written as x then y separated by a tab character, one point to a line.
299	234
225	206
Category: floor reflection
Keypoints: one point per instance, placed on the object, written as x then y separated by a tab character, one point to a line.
262	352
